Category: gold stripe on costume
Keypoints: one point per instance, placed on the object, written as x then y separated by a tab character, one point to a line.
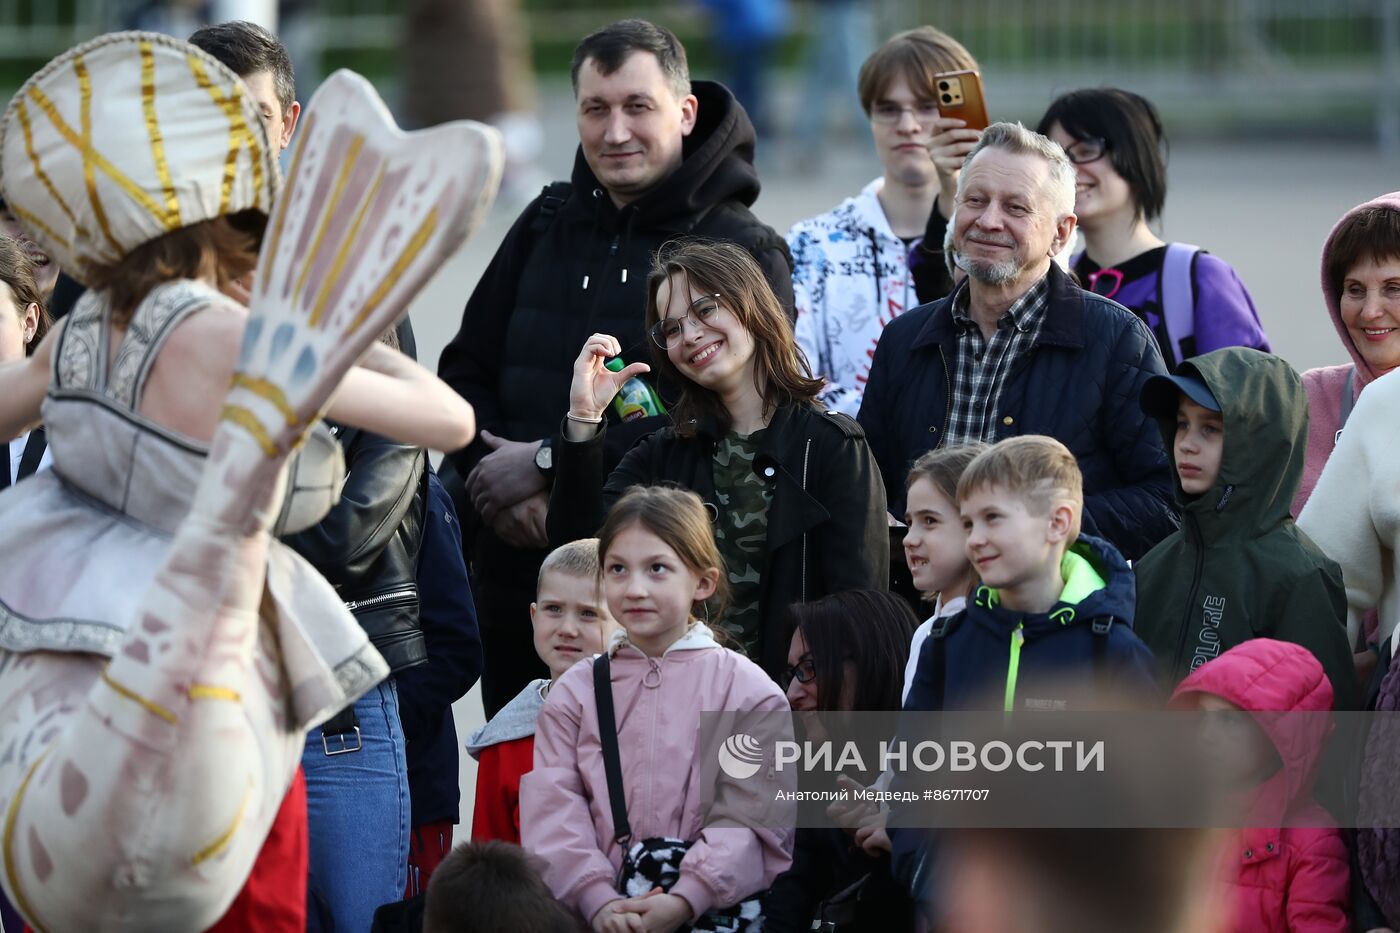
410	252
238	133
221	843
249	422
85	126
11	872
23	113
267	390
148	107
154	709
342	254
33	221
214	692
331	206
93	157
276	240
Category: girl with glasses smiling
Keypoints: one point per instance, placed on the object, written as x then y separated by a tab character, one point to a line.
1193	301
793	492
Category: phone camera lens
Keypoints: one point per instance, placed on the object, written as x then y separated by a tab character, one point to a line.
943	85
947	98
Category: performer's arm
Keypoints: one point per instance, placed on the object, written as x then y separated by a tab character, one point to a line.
389	394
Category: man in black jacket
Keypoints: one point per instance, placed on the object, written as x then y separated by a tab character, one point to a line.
659	157
1019	349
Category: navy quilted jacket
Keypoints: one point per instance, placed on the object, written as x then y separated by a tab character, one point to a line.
1078	384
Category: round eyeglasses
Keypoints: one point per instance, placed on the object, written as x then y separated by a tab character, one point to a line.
890	113
804	671
1084	151
666	333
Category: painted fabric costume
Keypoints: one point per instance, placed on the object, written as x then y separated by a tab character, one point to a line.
162	655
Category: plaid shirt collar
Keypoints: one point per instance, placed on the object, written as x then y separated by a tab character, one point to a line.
1026	312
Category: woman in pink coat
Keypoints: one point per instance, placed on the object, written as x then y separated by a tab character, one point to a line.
1294	878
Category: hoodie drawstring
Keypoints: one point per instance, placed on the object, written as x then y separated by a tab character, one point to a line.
879	286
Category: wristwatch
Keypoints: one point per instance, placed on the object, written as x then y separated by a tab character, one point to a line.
544	457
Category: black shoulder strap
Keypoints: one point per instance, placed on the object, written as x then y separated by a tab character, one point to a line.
942	627
1101	628
612	762
552	198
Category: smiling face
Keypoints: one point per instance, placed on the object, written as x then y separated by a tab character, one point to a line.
717	354
899	123
935	544
631	125
1370	306
1101	195
570	619
1005	230
1011	543
1200	441
650	590
45	269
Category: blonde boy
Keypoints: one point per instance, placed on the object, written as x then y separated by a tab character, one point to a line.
571	622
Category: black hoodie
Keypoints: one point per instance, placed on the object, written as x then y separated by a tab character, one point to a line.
546	291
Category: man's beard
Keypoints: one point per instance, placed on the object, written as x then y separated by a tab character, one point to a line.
985	270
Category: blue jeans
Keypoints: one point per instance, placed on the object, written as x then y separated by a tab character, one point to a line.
358	809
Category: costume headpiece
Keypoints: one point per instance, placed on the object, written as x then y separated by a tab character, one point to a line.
125	138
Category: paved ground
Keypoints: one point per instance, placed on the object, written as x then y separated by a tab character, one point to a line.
1263	207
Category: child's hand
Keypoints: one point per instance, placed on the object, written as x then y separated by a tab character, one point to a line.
873	839
610	918
657	912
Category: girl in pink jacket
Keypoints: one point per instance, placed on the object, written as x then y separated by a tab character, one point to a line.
1295	878
660	566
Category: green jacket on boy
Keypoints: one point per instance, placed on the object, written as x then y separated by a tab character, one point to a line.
1239	568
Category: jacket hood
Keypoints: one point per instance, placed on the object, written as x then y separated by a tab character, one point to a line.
514	721
1363	369
1098	584
1265	413
717	166
697	637
1264	675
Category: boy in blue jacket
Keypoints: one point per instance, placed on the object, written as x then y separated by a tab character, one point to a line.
1053	603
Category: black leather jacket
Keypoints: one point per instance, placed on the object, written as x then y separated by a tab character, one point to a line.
367	546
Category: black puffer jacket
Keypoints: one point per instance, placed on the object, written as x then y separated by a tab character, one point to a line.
547	290
826	525
1079	384
367	546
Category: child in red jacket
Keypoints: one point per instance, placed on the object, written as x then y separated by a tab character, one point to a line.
1296	878
571	622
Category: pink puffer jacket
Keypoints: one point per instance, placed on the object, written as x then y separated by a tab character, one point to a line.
565	814
1288	880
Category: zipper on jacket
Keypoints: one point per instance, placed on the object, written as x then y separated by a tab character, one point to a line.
805	455
404	594
651	755
948	398
1193	537
1013	667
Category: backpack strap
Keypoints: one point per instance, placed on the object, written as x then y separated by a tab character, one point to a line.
552	198
1179	298
612	760
1101	628
942	627
1347	403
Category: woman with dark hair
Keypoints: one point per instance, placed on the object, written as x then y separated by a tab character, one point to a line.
1193	301
847	654
793	491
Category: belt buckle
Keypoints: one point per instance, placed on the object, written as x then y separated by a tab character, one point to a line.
345	748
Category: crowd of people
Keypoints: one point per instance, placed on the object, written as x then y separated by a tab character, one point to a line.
921	451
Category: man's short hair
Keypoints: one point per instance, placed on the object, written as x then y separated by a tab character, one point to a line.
612	45
1037	468
493	887
1015	138
575	559
916	55
247	48
1371	233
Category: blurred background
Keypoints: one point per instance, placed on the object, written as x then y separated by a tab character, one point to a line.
1281	113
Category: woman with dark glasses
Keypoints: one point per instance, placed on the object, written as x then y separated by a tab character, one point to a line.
796	499
1193	301
847	654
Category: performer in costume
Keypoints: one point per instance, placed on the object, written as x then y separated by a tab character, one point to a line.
161	655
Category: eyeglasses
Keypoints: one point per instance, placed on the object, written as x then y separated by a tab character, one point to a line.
667	331
1111	279
884	112
804	672
1084	151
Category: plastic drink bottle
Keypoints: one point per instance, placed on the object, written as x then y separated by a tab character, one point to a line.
635	399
